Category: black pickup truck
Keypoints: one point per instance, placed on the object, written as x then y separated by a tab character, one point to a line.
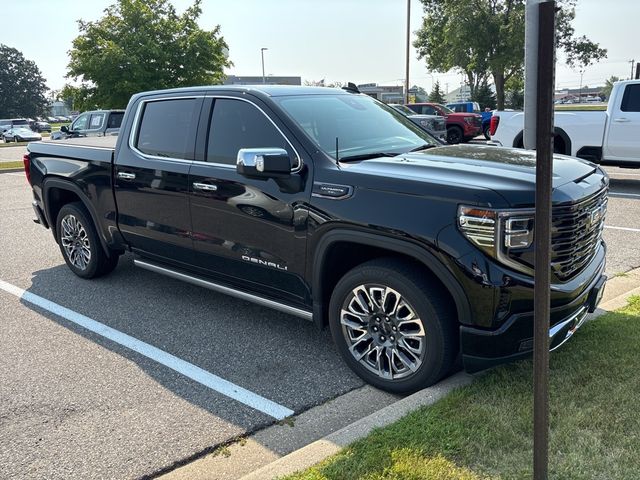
331	206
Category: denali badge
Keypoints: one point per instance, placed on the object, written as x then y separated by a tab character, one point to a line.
266	263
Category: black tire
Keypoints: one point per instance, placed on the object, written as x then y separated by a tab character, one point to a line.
485	132
422	295
454	135
80	236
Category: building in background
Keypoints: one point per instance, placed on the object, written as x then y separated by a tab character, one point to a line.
59	109
269	80
575	95
384	93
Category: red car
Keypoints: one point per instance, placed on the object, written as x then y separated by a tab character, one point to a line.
461	127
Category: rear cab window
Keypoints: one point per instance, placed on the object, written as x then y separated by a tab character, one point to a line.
631	98
166	128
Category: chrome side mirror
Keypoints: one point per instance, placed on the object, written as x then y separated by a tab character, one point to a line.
264	162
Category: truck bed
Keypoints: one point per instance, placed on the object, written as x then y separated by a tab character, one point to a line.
95	149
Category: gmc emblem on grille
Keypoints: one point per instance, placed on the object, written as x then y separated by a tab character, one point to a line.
595	216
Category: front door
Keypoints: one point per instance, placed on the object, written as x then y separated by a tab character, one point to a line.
251	232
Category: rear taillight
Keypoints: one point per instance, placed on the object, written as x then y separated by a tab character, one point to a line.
493	124
27	167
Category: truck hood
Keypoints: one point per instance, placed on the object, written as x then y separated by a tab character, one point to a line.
509	172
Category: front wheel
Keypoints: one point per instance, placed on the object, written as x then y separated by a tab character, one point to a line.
392	325
454	135
80	245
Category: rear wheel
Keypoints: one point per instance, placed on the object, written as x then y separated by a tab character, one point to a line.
485	132
80	245
454	135
392	325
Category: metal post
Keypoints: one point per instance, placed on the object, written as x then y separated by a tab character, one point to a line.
530	73
580	91
262	54
638	71
542	286
406	73
632	63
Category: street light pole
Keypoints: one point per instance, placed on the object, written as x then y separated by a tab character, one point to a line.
580	91
406	75
262	55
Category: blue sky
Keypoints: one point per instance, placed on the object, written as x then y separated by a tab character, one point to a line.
361	41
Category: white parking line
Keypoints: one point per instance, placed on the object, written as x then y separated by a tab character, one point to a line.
626	229
616	194
197	374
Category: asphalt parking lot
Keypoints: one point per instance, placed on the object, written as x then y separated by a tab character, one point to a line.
74	404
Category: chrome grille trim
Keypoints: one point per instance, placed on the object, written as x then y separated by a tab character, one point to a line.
576	232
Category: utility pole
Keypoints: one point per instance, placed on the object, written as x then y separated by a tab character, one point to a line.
406	74
262	55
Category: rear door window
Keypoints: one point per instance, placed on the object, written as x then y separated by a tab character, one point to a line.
97	120
631	99
167	128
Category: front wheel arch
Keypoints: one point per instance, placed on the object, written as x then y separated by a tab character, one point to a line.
382	246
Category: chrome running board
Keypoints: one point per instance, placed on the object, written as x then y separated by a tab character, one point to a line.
265	302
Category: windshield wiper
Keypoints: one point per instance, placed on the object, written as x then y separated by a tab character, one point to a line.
367	156
426	146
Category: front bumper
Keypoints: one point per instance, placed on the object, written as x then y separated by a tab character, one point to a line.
484	348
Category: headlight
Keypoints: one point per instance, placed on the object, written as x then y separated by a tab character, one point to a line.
498	232
469	120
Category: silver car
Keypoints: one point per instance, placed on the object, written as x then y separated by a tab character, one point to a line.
21	134
433	124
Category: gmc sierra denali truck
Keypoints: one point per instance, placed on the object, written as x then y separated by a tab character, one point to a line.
331	206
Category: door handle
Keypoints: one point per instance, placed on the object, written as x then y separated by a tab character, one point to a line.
621	120
126	175
205	187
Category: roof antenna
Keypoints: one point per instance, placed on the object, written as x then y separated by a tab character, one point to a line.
337	158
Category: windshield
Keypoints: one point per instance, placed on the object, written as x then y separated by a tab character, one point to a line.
361	125
444	108
403	109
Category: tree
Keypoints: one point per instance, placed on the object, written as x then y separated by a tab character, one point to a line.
608	86
485	38
436	95
484	96
22	87
514	93
145	45
78	98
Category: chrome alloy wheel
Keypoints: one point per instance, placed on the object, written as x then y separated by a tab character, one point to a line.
75	241
383	331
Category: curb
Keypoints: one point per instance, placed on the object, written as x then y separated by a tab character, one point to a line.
621	289
11	170
331	444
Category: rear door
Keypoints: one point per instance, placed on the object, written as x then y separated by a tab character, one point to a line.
151	177
250	231
622	141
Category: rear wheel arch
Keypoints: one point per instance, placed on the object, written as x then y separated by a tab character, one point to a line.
345	249
57	193
561	141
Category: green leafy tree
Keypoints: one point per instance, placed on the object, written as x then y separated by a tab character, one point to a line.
78	98
485	38
484	96
514	93
144	45
608	86
22	87
436	95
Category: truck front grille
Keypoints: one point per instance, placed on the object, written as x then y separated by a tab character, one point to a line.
576	232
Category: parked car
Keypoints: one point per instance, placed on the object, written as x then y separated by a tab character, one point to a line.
98	123
7	123
474	107
20	133
39	126
608	137
352	216
461	127
433	124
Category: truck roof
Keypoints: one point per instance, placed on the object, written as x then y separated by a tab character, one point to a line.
268	90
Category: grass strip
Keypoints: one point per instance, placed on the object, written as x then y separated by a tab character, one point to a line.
484	431
11	165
